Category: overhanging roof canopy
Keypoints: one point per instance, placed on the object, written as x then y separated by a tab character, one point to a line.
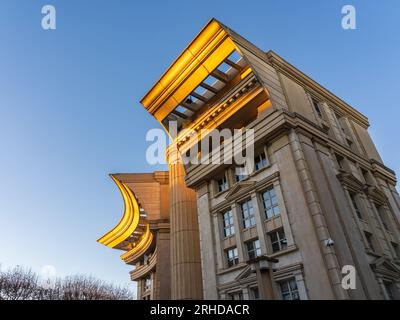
210	48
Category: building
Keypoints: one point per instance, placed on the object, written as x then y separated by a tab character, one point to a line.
316	196
143	232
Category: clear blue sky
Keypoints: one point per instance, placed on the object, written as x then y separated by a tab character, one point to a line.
70	112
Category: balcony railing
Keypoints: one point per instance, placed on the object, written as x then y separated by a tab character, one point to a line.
145	269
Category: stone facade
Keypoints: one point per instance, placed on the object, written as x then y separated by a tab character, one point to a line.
316	197
319	199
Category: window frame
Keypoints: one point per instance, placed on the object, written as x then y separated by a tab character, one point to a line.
293	293
355	206
388	285
147	283
231	226
255	250
383	216
234	259
272	206
240	177
340	161
370	240
265	162
248	220
317	108
225	183
252	290
280	241
396	249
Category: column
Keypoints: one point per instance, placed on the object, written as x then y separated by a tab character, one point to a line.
186	280
264	276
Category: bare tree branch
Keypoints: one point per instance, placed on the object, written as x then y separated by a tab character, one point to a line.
23	284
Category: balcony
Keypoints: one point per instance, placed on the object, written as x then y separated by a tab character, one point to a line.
143	270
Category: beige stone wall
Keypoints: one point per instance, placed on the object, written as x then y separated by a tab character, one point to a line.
315	201
367	143
297	98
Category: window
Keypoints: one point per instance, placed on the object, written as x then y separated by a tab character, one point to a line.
383	216
278	240
254	293
289	290
232	257
396	250
340	123
260	161
370	241
147	283
229	228
222	184
355	206
389	290
236	295
350	143
253	249
240	173
366	177
247	214
270	203
340	161
317	108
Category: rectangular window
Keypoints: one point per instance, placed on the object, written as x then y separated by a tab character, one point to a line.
389	290
355	205
396	250
254	293
248	214
366	177
383	216
239	173
253	249
317	108
232	256
270	203
147	283
340	122
278	240
222	184
229	228
289	290
260	161
340	161
370	241
236	295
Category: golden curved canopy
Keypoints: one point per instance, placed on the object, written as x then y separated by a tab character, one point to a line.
129	221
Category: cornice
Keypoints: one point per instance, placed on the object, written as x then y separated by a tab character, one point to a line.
207	50
377	195
239	189
350	181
